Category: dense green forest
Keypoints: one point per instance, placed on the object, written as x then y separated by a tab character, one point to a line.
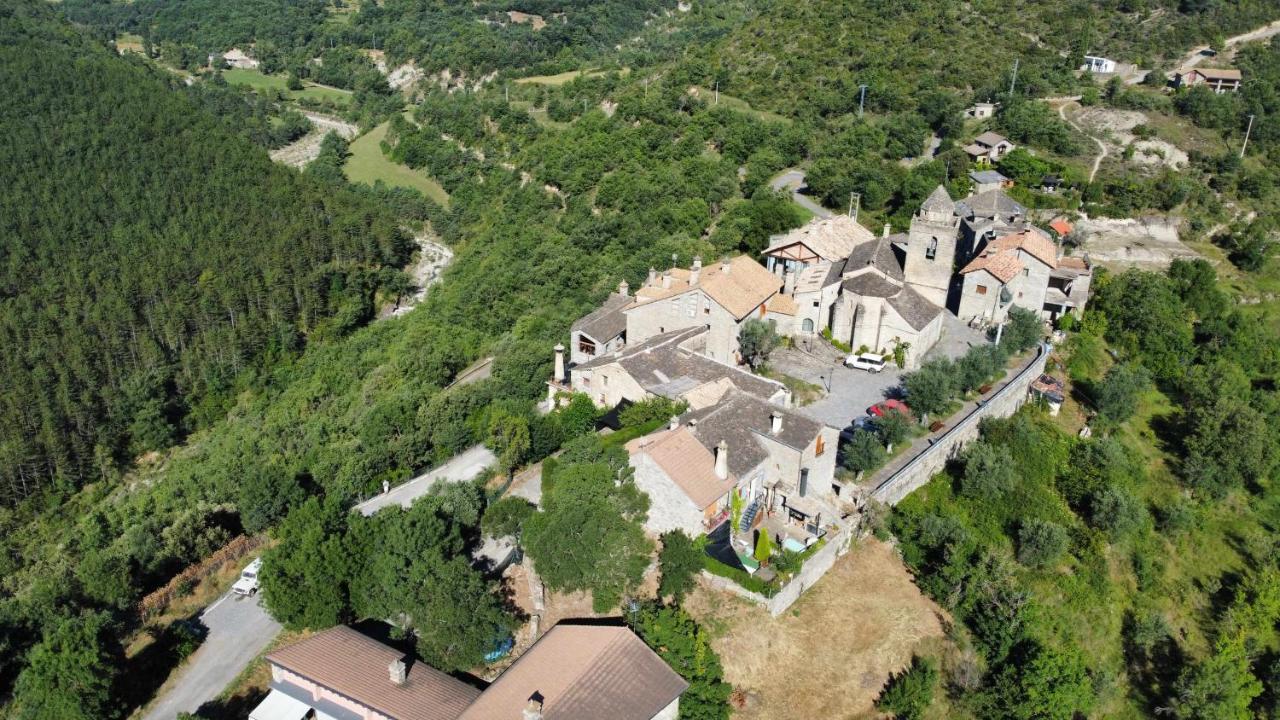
150	260
1134	572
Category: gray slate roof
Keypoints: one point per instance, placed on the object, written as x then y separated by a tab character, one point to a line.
987	176
662	367
914	307
740	420
870	284
879	254
938	201
991	203
607	321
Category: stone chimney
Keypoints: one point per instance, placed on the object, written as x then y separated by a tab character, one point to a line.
559	376
653	277
789	283
624	289
695	271
775	422
399	672
533	708
675	423
887	228
722	460
666	280
725	266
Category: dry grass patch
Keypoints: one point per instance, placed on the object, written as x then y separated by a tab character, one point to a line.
831	653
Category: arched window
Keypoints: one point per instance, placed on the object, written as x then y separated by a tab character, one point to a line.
932	251
807	325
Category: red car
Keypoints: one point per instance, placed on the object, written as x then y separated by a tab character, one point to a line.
879	409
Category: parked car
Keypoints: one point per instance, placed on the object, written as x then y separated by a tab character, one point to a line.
880	408
247	585
865	361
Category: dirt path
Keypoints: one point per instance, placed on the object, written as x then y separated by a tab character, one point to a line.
1194	56
832	653
1102	147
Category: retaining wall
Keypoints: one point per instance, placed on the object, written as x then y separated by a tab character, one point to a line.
1003	403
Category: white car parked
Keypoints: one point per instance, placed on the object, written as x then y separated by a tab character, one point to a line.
247	585
865	361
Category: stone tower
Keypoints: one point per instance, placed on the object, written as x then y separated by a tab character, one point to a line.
931	247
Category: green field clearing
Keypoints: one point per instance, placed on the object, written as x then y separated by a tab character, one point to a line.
128	42
733	103
310	91
367	164
564	77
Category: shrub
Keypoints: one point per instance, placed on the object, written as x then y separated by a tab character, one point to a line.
908	693
863	452
680	559
1041	543
989	471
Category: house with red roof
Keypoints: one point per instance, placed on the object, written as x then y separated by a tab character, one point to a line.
1026	269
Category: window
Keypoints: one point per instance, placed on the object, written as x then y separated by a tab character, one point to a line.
1026	272
586	345
982	289
815	303
807	325
932	251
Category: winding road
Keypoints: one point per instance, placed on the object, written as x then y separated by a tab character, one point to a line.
793	180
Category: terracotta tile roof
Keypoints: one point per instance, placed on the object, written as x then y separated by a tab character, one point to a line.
1030	241
583	672
1061	226
690	466
1004	265
739	286
830	238
1070	262
357	666
783	305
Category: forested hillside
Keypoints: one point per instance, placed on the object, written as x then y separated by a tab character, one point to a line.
149	259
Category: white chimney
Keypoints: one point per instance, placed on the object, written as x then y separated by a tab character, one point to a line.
887	228
559	376
775	422
399	672
675	423
533	708
722	460
624	289
666	280
696	270
653	277
724	266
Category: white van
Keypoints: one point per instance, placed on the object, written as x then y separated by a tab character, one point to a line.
865	361
247	585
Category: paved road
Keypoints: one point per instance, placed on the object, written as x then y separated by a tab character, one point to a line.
464	466
239	629
794	181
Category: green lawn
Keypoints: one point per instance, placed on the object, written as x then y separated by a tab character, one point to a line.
367	164
310	91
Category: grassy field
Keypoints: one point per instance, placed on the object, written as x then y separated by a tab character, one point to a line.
733	103
367	164
564	77
309	91
128	42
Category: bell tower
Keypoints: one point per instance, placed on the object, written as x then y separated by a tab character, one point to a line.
931	247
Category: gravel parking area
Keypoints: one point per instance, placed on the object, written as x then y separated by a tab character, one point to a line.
850	392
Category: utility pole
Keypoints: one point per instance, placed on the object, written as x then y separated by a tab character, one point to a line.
1014	80
862	98
855	204
717	102
1245	144
506	92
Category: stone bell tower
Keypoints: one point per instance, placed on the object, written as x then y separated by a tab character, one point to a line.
931	247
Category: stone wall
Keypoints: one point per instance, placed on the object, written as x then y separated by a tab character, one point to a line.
933	459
